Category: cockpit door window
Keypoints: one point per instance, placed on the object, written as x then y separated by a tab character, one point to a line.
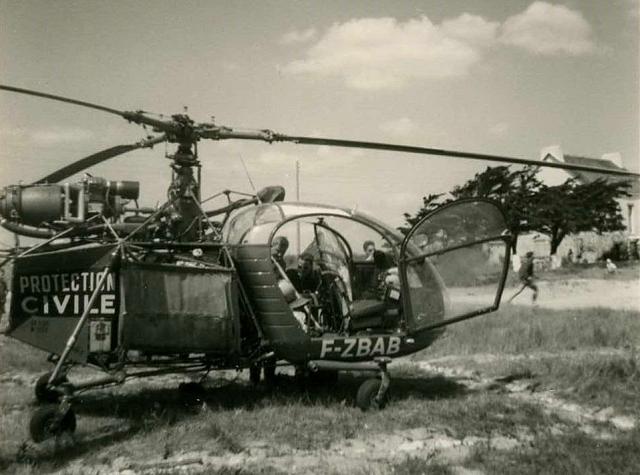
454	263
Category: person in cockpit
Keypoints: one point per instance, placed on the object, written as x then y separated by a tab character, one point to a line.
305	278
279	247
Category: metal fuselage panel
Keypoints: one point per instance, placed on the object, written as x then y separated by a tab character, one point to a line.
51	290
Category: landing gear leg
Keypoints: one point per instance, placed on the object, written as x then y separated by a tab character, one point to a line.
372	394
52	420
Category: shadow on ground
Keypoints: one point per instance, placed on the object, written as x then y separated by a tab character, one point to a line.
141	410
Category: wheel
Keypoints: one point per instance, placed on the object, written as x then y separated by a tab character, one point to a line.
270	373
44	423
366	397
254	375
45	394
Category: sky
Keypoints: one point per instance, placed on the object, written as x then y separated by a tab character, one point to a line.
501	77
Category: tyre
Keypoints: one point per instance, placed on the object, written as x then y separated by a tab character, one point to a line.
366	397
254	375
45	394
44	423
270	374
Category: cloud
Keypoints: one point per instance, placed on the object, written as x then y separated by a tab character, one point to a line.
400	128
298	36
384	53
547	29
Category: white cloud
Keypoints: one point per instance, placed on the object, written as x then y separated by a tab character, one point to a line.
471	28
383	53
400	128
298	36
548	29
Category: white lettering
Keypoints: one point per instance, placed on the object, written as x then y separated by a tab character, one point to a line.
93	310
26	301
378	348
110	285
56	282
61	306
75	279
364	346
394	345
108	306
327	347
351	343
24	283
35	284
65	282
45	283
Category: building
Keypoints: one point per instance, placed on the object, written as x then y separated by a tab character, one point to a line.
586	247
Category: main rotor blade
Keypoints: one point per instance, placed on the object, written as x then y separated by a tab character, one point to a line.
62	99
97	158
137	117
444	153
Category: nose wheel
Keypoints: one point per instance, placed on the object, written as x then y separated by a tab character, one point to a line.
52	420
372	394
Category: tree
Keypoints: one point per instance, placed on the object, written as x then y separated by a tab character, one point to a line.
429	203
512	189
573	207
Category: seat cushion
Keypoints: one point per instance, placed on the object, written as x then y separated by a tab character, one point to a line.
367	308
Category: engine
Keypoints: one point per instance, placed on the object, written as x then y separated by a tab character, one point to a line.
51	206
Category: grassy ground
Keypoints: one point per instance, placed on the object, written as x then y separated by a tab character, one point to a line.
433	423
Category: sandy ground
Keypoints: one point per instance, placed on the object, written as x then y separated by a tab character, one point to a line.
557	294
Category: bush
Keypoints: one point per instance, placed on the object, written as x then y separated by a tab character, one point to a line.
618	252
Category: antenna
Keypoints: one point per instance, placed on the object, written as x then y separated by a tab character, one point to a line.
298	199
246	170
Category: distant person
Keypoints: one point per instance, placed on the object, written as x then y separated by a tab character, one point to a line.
279	247
3	292
369	248
527	278
611	267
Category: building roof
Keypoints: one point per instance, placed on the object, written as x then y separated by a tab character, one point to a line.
588	177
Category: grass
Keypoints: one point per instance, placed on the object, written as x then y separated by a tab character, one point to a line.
569	454
515	330
587	355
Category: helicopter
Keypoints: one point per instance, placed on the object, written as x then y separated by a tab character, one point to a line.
138	292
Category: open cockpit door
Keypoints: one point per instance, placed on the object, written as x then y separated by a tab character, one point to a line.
453	264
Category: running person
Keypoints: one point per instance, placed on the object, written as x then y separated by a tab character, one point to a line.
525	273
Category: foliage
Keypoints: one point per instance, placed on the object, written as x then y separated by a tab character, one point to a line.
573	207
512	189
530	205
429	203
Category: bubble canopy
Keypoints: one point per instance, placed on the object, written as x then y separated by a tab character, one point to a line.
256	225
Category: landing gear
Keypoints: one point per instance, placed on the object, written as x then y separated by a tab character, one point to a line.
372	394
52	420
254	375
47	394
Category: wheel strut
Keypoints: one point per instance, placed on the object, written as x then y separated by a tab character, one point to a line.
385	381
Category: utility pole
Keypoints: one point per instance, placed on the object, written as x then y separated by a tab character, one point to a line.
298	199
